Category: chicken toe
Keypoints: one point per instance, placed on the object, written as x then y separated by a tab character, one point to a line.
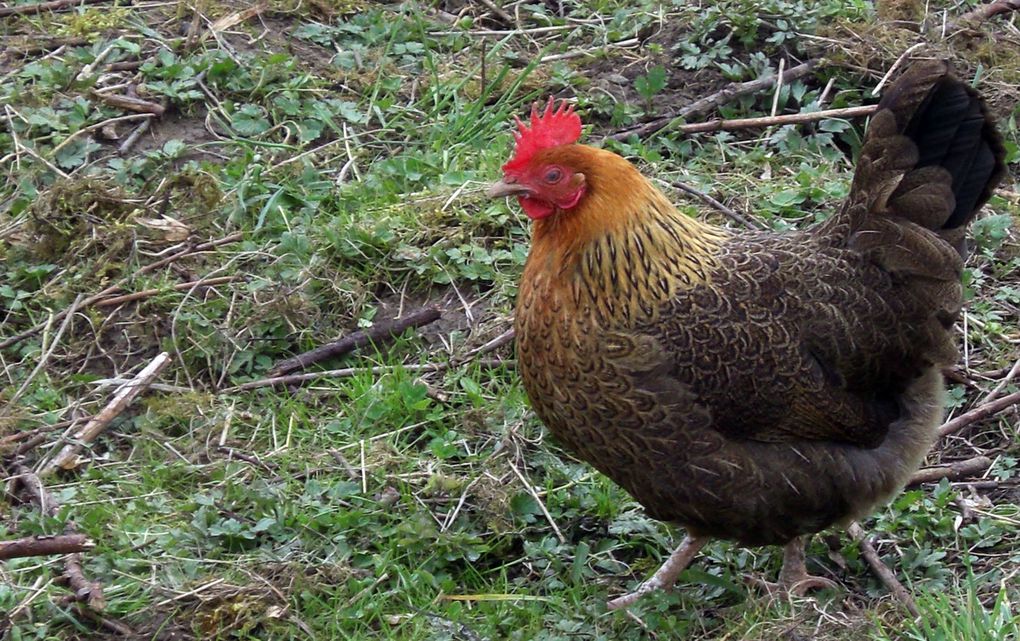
666	575
794	578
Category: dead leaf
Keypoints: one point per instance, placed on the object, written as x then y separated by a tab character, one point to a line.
171	229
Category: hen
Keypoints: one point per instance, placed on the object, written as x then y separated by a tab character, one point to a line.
753	386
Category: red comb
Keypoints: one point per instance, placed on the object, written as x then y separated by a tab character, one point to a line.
553	127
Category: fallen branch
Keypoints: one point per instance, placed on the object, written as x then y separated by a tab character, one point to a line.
88	592
768	121
291	379
17	437
33	9
709	103
953	471
733	215
93	299
247	458
98	125
85	591
42	45
180	287
588	51
130	103
133	137
995	373
490	346
44	545
125	65
499	11
981	411
881	569
1001	385
380	331
112	625
67	457
957	376
984	12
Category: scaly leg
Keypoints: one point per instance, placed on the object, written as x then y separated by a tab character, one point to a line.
665	576
794	578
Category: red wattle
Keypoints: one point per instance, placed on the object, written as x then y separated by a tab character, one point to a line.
535	209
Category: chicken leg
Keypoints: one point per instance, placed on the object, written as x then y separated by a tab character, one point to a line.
665	576
794	578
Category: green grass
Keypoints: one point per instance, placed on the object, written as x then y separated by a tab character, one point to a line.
962	615
349	144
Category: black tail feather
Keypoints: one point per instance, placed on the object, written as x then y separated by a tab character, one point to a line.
952	129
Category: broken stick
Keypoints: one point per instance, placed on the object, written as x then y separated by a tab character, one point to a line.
179	287
881	569
380	331
131	103
739	218
292	379
42	545
55	5
67	457
978	413
85	591
708	103
953	471
769	121
984	12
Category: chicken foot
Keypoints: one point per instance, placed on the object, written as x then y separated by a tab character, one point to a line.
666	575
794	578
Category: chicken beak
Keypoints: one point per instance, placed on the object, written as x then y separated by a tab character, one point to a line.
505	188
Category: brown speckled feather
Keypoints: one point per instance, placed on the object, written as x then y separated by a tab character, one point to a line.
759	386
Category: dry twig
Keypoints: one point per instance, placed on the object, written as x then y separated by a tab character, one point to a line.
67	457
984	12
1010	375
981	411
733	215
55	5
768	121
291	379
117	627
499	11
503	339
85	591
953	471
44	545
180	287
42	45
379	332
98	125
708	103
88	592
957	376
133	137
881	569
130	103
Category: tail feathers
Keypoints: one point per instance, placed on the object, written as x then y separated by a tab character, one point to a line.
932	155
953	130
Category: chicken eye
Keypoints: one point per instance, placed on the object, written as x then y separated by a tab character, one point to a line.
553	175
